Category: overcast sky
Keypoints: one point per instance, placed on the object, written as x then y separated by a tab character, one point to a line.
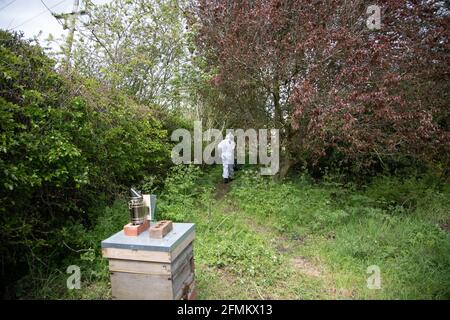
31	16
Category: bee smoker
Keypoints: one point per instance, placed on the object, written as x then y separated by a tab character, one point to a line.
138	209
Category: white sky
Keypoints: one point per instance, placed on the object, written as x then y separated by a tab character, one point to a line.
31	16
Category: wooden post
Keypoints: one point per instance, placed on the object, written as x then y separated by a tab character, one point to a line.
73	21
72	17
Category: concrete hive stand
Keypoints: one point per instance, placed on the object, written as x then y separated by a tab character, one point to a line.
152	269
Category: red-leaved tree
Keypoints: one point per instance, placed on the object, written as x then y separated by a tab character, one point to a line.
335	88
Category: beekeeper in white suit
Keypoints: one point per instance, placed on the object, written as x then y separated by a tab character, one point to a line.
226	149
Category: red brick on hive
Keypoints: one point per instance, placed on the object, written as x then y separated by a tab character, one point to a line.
135	230
160	229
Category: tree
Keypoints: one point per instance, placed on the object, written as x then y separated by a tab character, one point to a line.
336	89
137	46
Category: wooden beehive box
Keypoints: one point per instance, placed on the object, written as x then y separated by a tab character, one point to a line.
152	269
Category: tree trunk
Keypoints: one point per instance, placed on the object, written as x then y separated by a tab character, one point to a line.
277	106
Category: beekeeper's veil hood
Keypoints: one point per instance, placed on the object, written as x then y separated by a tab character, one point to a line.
229	136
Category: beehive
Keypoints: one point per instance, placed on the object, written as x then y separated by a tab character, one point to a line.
152	269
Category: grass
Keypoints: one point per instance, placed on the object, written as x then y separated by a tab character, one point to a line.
393	224
264	239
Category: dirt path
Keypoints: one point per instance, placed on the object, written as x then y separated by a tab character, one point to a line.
221	190
298	266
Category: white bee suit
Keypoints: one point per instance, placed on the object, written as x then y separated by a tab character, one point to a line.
226	148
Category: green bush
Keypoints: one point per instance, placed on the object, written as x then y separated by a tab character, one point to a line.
67	147
179	196
82	248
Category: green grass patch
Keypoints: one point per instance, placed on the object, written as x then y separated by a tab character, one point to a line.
392	223
263	239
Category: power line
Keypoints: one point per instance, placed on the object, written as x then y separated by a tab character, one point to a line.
11	2
39	14
52	13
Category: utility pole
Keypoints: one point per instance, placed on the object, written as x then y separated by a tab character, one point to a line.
73	21
72	18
